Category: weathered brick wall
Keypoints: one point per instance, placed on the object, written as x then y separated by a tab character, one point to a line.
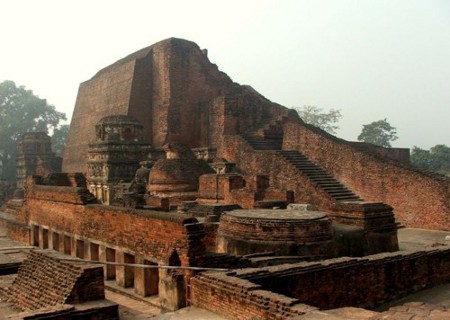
150	233
300	288
107	93
194	82
210	238
72	195
17	231
45	279
397	154
239	299
419	199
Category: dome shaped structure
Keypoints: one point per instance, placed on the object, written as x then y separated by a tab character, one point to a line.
176	175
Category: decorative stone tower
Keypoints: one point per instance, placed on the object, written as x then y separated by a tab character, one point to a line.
35	156
115	155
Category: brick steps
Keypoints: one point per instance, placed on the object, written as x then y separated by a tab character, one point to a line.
263	143
259	140
319	176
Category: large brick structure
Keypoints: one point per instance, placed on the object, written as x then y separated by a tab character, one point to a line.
167	86
186	219
179	96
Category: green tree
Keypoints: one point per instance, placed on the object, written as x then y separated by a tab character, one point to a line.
21	111
436	159
59	139
319	118
380	133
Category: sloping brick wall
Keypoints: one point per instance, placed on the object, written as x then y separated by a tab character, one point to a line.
419	199
45	279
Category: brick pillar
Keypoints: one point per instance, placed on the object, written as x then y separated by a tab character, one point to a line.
73	247
146	280
87	250
124	274
50	239
41	237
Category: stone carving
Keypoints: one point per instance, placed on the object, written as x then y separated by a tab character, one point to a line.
115	155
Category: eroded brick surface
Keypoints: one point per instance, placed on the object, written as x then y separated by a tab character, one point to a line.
45	279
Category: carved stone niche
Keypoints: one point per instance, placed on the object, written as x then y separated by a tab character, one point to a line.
115	154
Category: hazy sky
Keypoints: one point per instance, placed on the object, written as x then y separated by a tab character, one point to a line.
371	59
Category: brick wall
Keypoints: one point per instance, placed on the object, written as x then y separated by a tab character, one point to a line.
240	299
278	292
365	282
419	199
45	279
72	195
147	232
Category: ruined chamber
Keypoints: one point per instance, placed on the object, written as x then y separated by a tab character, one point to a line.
281	232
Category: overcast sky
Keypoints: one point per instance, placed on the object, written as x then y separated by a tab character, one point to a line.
371	59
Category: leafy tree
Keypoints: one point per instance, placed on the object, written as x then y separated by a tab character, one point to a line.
380	133
59	139
319	118
436	159
21	111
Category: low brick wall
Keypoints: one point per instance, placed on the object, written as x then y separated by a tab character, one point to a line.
278	292
74	195
235	298
45	279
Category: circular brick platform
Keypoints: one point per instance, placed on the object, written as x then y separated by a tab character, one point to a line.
284	232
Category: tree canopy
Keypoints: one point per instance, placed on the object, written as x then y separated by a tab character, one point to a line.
436	159
59	139
21	111
380	133
319	118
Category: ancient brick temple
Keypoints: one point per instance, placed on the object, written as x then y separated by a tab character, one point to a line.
300	220
179	96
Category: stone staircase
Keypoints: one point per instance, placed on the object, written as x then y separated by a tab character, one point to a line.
270	138
319	176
